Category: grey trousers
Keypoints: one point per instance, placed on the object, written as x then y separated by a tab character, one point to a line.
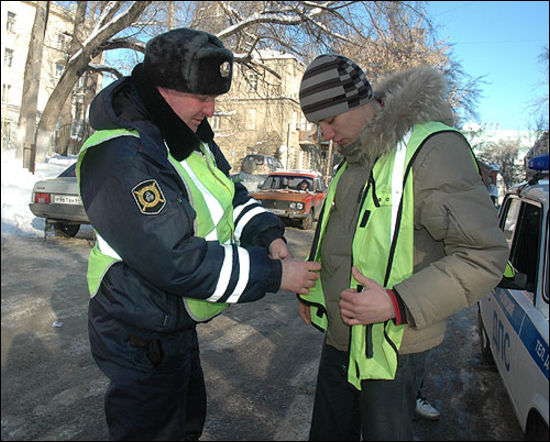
382	410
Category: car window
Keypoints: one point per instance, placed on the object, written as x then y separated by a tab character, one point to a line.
319	185
508	222
290	182
70	171
525	246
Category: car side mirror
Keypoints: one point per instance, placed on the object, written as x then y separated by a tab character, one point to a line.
517	282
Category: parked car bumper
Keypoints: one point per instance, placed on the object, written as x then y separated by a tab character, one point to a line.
288	213
60	212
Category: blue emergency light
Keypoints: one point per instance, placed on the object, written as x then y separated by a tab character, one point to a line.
539	163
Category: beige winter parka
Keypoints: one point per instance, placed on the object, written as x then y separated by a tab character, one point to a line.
459	251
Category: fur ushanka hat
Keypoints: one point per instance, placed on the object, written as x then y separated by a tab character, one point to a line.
189	61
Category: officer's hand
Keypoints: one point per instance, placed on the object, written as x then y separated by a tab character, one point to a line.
371	305
278	249
299	276
304	312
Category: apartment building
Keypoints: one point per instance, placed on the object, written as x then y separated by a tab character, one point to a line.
261	115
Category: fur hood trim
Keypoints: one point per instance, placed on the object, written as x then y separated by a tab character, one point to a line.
409	97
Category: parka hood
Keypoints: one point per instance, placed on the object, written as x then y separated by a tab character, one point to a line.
409	97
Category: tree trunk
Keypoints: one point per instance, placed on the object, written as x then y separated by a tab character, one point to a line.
31	84
79	35
64	131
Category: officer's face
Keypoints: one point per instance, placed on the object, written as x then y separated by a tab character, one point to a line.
191	108
345	128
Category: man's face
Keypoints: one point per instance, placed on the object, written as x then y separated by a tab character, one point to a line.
191	108
345	128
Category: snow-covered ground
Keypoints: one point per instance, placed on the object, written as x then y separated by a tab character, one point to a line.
17	184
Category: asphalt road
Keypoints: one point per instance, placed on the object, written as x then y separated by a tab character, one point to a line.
260	361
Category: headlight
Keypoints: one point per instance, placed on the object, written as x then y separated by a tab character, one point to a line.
300	206
292	205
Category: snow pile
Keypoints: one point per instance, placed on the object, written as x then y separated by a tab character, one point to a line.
17	184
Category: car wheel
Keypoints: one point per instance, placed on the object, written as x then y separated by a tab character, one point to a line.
536	428
307	222
66	230
486	354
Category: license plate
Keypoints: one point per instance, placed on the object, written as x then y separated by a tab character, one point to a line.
66	199
277	211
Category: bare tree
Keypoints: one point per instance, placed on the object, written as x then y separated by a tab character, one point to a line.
31	84
115	17
539	107
78	36
505	154
382	36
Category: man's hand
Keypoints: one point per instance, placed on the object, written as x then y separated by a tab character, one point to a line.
299	276
304	312
278	249
371	305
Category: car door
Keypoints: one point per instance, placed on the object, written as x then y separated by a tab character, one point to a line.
516	325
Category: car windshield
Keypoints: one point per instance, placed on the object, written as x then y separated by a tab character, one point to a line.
258	159
290	182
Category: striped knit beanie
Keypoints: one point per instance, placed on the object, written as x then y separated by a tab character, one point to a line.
332	85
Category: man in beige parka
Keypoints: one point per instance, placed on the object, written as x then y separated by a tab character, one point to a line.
408	236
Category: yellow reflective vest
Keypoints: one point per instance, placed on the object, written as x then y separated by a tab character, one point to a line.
382	250
210	193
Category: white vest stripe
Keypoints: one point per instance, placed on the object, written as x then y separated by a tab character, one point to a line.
212	236
225	274
105	248
397	179
216	210
244	265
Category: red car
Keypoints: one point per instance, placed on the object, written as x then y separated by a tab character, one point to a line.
293	194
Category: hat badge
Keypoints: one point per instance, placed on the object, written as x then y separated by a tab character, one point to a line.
225	69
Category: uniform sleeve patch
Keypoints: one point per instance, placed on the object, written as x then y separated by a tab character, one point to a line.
149	197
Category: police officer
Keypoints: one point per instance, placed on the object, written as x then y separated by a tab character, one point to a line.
177	241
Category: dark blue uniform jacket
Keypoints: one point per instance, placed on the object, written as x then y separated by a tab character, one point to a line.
162	259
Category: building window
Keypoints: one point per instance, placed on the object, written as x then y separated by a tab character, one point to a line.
8	57
59	68
61	41
252	81
10	22
251	119
6	134
6	88
82	83
215	122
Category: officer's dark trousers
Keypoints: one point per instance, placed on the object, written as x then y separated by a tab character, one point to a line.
156	389
382	410
163	408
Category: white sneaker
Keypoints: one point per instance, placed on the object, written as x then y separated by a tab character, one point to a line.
426	410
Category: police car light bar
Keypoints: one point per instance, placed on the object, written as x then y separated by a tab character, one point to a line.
539	163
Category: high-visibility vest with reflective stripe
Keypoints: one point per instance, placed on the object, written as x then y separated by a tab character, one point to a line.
210	193
382	250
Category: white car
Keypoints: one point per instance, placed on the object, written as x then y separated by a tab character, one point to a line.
514	317
58	201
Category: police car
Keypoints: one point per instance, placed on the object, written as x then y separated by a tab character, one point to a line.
514	317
